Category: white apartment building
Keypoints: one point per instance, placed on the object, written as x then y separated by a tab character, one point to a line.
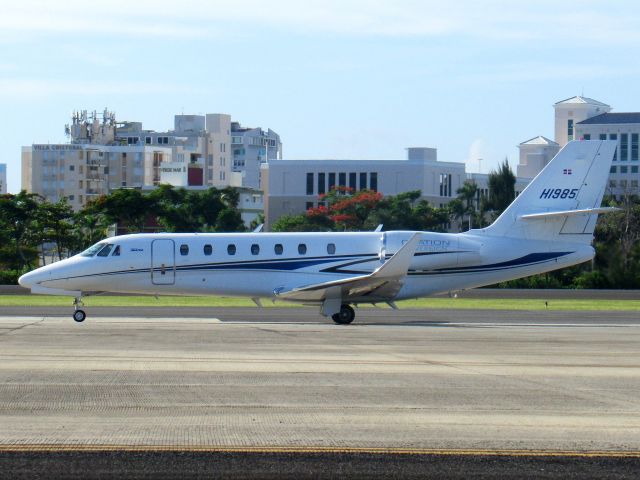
293	186
3	178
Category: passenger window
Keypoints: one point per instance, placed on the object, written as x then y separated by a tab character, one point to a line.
231	249
255	249
184	249
208	249
278	249
302	249
116	251
331	248
105	251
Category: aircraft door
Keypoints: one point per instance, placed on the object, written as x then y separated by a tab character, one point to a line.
163	265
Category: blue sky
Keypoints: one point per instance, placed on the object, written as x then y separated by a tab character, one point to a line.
336	79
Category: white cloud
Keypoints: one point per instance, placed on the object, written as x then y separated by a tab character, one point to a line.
541	20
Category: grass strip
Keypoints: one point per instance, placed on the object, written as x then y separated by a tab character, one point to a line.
423	303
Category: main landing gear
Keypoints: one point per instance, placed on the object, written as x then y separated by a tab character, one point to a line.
78	314
345	316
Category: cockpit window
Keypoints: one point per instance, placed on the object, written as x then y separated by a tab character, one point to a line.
91	251
116	251
105	250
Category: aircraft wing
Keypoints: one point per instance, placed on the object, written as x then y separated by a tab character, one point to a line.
383	283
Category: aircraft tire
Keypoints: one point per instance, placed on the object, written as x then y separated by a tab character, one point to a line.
345	316
79	316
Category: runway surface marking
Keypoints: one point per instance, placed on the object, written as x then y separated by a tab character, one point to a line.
302	450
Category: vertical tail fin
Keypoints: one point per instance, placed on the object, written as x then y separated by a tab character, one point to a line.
569	189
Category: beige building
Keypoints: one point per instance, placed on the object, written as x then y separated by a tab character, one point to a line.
104	154
535	153
582	118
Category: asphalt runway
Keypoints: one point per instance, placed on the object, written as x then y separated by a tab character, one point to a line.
284	393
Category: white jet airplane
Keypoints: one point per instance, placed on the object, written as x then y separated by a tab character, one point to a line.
548	226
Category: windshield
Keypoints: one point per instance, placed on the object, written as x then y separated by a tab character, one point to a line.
91	251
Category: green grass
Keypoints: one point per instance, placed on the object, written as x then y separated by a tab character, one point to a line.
465	303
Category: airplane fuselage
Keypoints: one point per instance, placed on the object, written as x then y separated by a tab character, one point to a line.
259	265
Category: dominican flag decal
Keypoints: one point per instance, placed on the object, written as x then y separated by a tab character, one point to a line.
567	171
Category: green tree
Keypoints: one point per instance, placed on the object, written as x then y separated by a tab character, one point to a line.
128	207
20	234
467	195
501	188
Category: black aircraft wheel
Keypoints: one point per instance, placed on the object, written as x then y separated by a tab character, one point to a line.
79	316
345	316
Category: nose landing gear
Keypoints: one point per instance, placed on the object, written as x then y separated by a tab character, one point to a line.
78	314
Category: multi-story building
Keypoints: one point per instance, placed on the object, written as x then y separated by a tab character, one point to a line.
625	129
582	118
294	186
3	178
253	147
535	153
104	154
101	156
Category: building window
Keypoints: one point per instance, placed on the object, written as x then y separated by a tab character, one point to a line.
208	249
342	179
623	183
352	181
147	140
613	169
321	184
586	136
623	169
614	136
445	185
278	249
634	169
72	168
634	147
363	180
71	197
184	249
231	249
310	183
612	183
331	248
624	147
302	249
332	181
373	181
603	136
570	129
309	206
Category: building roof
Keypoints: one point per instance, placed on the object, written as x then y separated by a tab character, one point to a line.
540	140
612	118
582	100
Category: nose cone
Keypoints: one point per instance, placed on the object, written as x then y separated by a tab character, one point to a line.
28	279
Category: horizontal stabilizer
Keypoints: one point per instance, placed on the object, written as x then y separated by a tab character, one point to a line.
568	213
385	281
